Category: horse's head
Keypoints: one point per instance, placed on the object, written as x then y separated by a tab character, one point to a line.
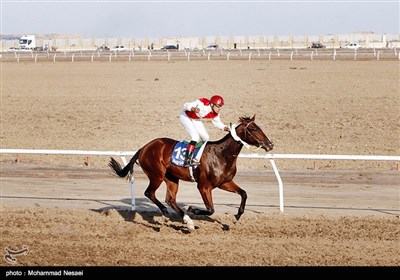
249	132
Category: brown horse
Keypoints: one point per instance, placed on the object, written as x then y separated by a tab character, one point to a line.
216	170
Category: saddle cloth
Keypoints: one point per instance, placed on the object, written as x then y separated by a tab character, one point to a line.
179	152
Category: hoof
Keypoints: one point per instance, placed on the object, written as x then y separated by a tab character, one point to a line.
165	213
189	222
191	227
193	210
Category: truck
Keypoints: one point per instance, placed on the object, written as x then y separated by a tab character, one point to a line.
27	42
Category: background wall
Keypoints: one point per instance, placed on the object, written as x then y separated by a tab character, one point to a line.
366	40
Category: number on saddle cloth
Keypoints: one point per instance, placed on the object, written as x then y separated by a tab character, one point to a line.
179	152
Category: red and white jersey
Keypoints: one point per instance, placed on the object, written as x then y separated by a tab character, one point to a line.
205	112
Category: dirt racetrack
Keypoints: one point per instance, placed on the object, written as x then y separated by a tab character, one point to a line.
344	213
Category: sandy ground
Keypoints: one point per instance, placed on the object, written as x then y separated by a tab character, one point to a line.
67	213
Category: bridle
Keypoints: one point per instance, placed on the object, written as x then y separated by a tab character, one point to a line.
246	131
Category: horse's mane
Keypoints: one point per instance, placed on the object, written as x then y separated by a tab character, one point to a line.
244	118
241	119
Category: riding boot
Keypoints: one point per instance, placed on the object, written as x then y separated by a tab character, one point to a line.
189	155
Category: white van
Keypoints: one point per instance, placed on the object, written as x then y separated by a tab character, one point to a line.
27	42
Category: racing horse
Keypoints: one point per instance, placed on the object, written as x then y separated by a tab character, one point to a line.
217	168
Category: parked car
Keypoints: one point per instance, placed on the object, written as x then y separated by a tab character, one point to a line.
212	47
169	47
317	45
352	46
118	49
102	49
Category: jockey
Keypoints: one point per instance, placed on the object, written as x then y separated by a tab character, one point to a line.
192	118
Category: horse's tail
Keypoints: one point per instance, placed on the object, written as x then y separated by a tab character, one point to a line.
127	170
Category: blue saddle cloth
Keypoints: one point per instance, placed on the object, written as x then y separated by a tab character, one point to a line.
179	153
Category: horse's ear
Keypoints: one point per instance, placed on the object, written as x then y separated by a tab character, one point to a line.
253	118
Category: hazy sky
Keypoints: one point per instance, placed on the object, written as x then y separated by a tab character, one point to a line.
198	18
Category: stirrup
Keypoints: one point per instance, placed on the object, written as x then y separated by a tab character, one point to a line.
191	162
187	163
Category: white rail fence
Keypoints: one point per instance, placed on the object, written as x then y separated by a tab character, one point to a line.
254	54
270	157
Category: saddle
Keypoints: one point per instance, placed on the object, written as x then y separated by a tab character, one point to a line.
179	152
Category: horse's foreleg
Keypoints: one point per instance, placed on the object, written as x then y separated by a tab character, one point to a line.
233	187
206	195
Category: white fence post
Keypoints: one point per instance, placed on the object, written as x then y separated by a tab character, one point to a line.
133	200
280	184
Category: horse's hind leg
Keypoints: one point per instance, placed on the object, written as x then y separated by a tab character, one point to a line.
150	193
170	199
233	187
